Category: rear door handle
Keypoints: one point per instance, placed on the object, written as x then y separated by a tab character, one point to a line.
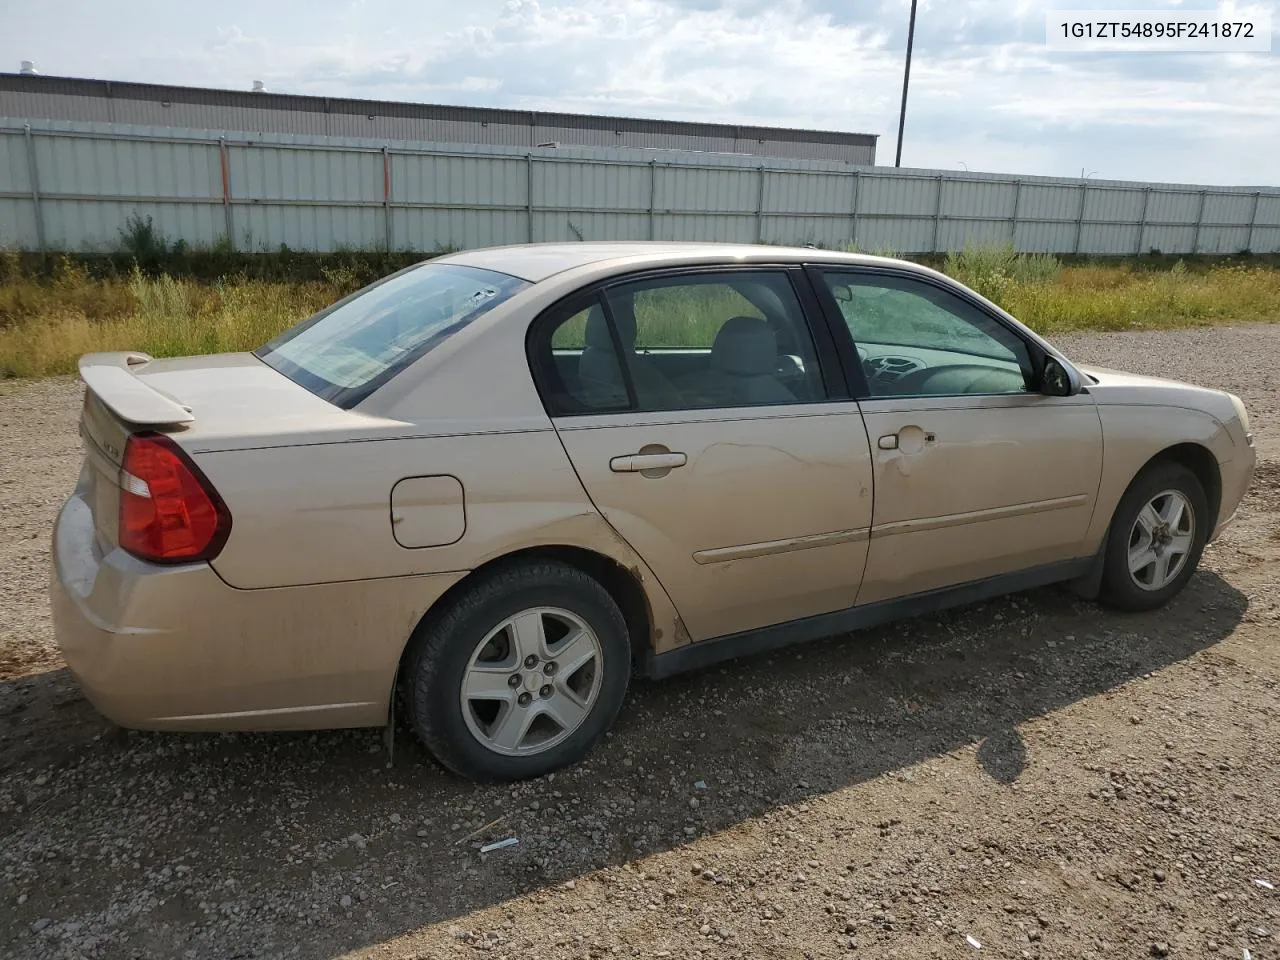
640	462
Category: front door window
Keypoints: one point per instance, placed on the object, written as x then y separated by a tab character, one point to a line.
914	340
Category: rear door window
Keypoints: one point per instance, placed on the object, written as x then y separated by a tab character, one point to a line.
346	352
685	342
732	339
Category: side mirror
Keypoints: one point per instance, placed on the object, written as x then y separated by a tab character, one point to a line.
1055	381
842	292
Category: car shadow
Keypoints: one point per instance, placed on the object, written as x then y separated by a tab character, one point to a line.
317	841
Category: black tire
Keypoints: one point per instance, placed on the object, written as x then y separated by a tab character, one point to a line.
1119	588
442	647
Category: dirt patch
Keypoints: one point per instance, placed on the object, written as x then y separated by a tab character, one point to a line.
1034	775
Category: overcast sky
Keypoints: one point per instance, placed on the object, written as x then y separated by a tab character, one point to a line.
984	90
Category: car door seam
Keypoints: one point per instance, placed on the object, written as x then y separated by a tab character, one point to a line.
586	492
1102	472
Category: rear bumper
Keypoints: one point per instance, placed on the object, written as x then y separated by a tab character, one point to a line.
176	648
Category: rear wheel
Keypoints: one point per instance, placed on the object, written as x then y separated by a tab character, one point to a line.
1156	538
520	675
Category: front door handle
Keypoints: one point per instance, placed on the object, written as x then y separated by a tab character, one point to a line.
644	462
910	439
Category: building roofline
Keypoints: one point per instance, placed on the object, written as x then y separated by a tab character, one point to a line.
130	90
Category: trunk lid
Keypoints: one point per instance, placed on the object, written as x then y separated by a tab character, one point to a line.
219	402
237	401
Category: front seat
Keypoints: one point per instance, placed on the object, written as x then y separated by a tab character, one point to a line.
600	376
744	364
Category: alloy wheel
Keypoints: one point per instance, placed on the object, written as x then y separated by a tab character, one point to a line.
1161	540
532	681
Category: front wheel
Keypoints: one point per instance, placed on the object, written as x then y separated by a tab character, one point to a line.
520	675
1156	538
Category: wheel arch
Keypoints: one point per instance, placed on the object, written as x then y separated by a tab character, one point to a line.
1110	578
623	584
1200	461
1197	458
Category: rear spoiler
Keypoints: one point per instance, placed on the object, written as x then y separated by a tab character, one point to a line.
110	377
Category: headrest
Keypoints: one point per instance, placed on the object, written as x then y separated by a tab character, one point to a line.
745	347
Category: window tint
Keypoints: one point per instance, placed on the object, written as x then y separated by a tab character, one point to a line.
586	369
346	352
716	340
684	315
687	342
915	339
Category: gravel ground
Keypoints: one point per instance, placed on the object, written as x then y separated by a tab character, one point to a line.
1031	777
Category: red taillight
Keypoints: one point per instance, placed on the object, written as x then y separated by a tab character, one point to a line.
169	513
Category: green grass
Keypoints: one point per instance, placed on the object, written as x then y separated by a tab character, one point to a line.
50	317
684	316
46	325
1052	298
1117	298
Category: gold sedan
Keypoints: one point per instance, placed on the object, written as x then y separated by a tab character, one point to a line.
492	486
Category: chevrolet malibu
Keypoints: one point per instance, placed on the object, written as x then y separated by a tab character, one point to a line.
490	488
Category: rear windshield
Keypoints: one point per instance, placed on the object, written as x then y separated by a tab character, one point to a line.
347	351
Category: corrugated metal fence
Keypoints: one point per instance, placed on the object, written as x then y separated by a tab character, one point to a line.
73	185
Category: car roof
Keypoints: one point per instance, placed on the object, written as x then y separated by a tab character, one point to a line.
536	262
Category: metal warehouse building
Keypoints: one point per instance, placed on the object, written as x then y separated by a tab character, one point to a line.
31	96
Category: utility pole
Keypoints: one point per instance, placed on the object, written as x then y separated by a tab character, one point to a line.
906	78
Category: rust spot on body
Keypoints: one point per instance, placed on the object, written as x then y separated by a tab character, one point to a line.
682	634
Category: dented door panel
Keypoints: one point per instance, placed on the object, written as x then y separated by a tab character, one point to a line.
973	487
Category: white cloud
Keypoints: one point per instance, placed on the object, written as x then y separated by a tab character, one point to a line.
984	89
